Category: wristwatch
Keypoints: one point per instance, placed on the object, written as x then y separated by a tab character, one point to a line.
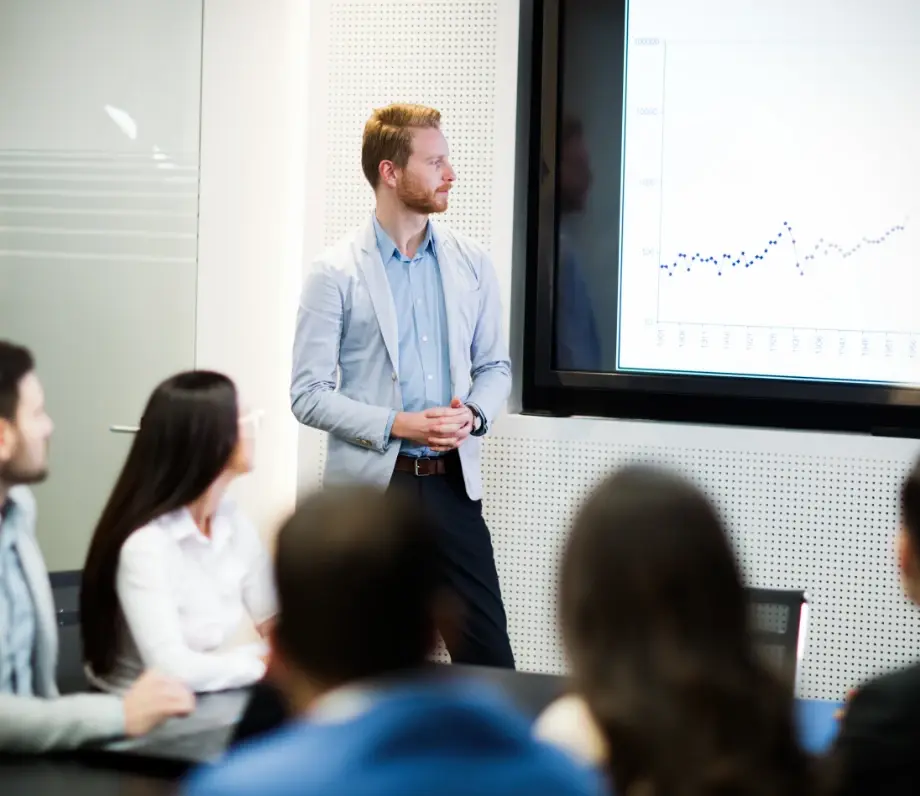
479	422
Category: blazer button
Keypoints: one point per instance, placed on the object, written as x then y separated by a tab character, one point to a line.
394	376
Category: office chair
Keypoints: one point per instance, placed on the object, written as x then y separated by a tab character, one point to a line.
65	587
779	619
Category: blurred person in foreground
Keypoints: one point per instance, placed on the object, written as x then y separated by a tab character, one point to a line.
670	695
33	715
361	592
879	736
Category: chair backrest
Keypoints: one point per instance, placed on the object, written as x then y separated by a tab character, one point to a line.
66	589
779	619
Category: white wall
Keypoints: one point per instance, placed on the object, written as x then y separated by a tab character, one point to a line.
99	112
101	220
253	148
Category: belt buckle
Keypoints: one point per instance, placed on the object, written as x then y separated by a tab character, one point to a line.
415	464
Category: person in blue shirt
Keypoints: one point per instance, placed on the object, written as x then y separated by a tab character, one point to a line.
361	593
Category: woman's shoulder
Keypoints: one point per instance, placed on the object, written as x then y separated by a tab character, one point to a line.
168	530
569	725
243	529
159	533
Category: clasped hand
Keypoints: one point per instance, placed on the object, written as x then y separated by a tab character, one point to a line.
441	428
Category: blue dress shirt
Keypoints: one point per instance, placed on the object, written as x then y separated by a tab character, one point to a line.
415	739
424	356
17	612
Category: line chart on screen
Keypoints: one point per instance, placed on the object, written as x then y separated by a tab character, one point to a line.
771	208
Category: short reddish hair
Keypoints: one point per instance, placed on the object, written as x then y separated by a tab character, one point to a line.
388	136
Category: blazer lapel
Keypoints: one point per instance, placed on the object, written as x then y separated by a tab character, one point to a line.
379	287
33	566
447	257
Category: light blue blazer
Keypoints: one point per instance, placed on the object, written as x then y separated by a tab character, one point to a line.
47	721
345	376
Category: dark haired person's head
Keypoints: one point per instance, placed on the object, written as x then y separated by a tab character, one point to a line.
909	537
25	426
655	622
360	590
191	436
575	175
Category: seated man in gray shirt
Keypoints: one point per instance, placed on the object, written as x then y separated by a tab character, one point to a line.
33	716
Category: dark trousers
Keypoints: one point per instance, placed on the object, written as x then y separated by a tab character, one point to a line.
469	563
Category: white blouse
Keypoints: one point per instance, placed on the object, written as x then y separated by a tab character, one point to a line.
183	596
568	724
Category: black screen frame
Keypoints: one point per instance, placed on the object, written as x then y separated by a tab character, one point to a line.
767	402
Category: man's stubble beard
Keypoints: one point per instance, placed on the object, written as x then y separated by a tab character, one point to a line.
420	200
13	474
12	477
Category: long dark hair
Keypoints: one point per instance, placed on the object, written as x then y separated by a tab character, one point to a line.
656	625
188	432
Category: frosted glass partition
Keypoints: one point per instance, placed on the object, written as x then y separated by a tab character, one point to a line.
99	135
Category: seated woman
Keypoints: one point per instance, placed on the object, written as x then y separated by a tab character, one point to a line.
173	566
670	695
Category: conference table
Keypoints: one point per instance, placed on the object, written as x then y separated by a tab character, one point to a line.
155	764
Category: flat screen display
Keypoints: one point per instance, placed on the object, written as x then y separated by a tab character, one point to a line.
737	190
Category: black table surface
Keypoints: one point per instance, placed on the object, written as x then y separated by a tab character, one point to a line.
154	764
52	775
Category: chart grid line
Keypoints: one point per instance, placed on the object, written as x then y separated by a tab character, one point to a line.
714	325
661	112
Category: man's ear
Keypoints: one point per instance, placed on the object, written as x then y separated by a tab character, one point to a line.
908	561
387	171
7	439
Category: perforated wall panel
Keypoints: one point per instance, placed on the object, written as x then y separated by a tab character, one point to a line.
440	54
805	511
816	512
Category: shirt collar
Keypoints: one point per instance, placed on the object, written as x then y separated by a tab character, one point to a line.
6	508
15	497
7	521
181	526
388	248
350	700
343	704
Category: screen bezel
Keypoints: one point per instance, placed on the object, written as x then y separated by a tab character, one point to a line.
765	402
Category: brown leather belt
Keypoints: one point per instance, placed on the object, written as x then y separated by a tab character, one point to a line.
422	466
